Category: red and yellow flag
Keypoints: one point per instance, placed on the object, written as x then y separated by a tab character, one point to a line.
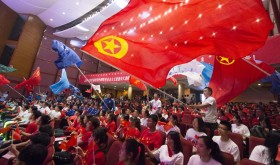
73	140
3	80
149	37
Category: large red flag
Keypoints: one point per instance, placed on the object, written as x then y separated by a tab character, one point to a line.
148	37
3	80
137	83
73	140
231	77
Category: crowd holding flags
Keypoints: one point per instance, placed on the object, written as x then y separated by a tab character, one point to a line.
150	50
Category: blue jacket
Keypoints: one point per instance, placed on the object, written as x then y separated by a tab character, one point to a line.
110	104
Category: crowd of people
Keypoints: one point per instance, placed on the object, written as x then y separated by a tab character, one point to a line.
151	131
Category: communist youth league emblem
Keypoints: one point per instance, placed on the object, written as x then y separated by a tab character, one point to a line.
224	60
112	46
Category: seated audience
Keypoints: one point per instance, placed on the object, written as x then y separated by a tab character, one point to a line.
198	130
240	128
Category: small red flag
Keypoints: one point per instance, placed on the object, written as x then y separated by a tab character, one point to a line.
34	80
168	126
89	90
4	130
137	83
63	146
72	141
16	134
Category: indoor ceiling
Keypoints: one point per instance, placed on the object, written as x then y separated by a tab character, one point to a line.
70	18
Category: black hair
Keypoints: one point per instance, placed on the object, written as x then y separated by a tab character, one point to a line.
175	136
215	149
134	147
209	89
41	138
147	113
201	124
95	122
26	106
238	118
271	142
36	114
47	129
100	136
33	154
126	117
137	122
226	123
45	119
154	118
176	119
267	122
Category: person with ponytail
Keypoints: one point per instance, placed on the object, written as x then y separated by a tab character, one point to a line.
208	153
132	153
171	152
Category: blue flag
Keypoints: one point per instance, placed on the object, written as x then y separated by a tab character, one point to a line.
74	89
62	84
275	81
66	56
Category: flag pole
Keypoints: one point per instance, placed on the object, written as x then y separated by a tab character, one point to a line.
91	85
260	69
15	91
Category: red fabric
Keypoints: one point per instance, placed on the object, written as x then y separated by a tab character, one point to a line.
230	77
89	90
73	140
31	128
168	126
63	146
98	155
3	80
34	80
152	140
173	80
270	52
137	83
131	132
167	34
111	127
85	138
16	134
4	130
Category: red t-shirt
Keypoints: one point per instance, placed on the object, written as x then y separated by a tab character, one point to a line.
85	138
111	127
31	128
131	132
94	152
152	139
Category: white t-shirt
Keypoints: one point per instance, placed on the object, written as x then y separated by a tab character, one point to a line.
211	114
55	115
24	116
242	130
260	154
144	121
162	155
156	104
228	147
45	110
193	135
195	160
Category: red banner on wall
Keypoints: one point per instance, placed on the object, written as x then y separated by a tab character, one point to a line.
110	77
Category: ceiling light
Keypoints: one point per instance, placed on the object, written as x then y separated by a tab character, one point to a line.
51	19
77	3
63	13
82	28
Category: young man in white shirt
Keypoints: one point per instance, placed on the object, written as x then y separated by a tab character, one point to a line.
224	142
155	104
211	114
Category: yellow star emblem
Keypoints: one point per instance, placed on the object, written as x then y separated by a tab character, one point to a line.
224	60
110	45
